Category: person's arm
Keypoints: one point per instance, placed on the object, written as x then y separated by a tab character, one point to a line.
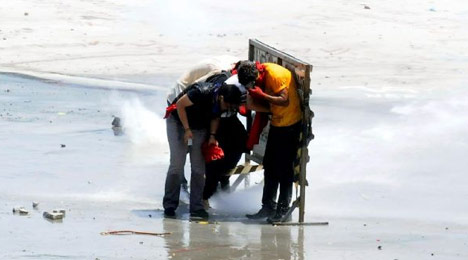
256	105
181	104
213	129
280	99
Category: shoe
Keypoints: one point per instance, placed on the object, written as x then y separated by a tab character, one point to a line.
199	214
279	216
264	212
169	213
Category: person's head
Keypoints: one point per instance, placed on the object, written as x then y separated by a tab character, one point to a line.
247	73
229	97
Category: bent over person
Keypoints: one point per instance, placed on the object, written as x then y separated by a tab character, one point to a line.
191	114
279	91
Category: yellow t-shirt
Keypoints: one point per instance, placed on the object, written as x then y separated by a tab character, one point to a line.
278	78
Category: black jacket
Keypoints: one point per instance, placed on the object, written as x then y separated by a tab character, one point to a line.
204	108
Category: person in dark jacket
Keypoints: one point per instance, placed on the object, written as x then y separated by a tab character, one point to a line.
195	113
231	137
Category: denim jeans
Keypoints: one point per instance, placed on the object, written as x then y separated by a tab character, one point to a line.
178	153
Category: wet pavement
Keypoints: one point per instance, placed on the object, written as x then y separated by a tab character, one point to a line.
58	148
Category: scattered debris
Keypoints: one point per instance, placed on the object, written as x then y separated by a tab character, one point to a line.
116	122
59	211
204	222
53	216
117	126
131	232
20	210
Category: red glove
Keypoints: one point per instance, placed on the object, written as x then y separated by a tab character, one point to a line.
212	152
243	110
257	92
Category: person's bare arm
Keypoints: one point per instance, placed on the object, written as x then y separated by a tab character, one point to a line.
181	104
282	99
213	129
255	105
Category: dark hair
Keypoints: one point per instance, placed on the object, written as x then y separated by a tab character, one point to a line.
247	72
231	93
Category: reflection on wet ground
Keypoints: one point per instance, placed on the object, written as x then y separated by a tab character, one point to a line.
224	237
232	241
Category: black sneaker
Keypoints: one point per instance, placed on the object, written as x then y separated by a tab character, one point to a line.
264	212
169	213
279	217
199	214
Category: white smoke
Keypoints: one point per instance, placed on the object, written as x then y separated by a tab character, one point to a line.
390	157
141	125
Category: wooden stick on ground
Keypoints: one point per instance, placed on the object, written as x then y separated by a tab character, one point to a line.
132	232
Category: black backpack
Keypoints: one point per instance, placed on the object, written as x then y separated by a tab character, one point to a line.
218	79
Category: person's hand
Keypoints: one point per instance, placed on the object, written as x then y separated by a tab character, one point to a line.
188	135
257	92
212	140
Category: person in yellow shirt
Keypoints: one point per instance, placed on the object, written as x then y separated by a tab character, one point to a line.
275	86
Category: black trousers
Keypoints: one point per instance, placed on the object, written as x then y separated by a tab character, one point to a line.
280	153
232	137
